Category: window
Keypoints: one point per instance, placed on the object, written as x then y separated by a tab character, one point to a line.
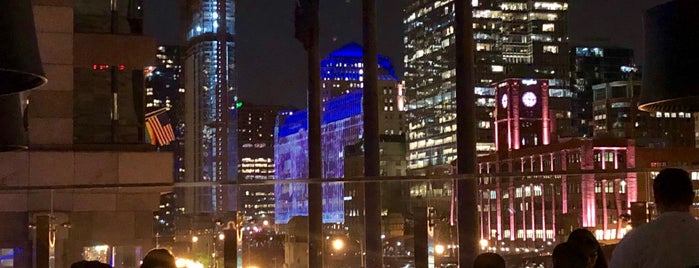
548	27
609	187
551	49
483	47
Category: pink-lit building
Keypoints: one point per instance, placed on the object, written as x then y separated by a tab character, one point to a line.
538	195
535	189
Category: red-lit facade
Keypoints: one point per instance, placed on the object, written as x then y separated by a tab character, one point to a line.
532	198
536	188
522	114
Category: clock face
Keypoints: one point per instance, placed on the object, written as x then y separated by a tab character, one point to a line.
503	101
529	99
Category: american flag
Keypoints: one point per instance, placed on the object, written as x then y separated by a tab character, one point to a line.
161	127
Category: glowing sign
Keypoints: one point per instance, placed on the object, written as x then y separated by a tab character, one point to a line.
529	82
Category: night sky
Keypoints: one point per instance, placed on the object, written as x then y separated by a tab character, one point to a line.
272	64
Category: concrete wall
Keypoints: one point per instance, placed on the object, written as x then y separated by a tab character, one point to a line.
77	184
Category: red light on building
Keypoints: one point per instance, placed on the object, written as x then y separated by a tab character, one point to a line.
100	67
104	67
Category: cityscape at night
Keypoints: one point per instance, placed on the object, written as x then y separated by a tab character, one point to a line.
349	134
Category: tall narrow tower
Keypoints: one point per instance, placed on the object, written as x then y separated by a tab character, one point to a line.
210	125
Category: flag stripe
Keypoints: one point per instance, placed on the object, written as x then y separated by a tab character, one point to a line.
151	135
160	124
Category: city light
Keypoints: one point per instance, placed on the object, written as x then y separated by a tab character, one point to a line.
483	243
439	249
187	263
221	237
195	239
338	244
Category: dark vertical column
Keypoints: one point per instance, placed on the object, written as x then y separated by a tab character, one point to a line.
421	250
42	241
465	134
372	190
230	248
114	27
315	167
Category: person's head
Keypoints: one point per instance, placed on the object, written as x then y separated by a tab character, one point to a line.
159	258
585	243
89	264
673	190
565	256
489	260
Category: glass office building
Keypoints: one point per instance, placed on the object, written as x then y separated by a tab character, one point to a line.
210	121
525	39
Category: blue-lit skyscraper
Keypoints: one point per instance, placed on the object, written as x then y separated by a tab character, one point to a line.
210	123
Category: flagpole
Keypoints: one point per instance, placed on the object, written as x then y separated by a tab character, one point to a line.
157	112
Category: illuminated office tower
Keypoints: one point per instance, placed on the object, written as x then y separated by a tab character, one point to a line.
164	89
590	66
256	152
210	124
509	37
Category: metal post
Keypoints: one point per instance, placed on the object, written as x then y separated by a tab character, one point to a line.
315	190
465	135
372	190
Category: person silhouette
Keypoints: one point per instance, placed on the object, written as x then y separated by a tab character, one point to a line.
584	243
159	258
489	260
89	264
566	256
671	239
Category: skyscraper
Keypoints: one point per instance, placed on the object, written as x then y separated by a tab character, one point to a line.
256	151
164	89
591	65
512	39
210	93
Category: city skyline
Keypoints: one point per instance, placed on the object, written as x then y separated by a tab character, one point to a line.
267	46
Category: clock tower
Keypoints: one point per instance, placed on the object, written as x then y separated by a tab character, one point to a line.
521	114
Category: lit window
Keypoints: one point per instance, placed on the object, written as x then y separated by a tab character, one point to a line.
551	49
483	47
548	27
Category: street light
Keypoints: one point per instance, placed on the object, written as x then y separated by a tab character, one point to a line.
338	244
484	244
195	239
439	249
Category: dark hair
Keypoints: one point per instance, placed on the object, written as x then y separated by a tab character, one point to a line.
489	260
585	243
565	256
89	264
673	186
158	258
